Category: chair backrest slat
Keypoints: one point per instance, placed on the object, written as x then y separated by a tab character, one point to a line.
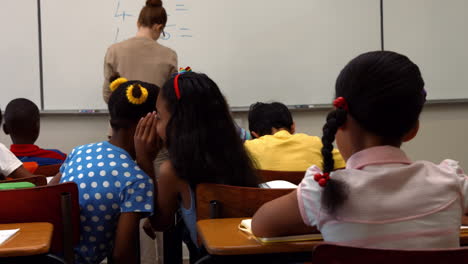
233	201
48	170
37	180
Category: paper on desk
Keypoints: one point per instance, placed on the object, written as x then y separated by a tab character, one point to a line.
6	234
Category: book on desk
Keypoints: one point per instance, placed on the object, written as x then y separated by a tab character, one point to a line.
246	226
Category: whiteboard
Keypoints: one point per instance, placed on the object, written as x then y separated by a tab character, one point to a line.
290	51
432	33
19	52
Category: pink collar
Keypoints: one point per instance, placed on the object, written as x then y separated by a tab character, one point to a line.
377	155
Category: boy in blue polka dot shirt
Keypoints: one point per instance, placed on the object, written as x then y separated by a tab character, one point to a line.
114	193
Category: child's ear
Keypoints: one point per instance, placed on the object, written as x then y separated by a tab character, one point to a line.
293	128
412	133
254	134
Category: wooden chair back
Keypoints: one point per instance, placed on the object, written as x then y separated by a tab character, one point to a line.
224	201
290	176
56	204
36	180
335	254
48	170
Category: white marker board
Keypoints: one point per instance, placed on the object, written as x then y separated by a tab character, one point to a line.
290	51
19	51
434	34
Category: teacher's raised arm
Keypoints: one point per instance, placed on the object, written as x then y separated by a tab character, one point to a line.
142	57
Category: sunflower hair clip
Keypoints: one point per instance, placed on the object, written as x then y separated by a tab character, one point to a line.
134	100
116	83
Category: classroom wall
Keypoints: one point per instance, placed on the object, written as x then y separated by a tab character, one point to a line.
442	134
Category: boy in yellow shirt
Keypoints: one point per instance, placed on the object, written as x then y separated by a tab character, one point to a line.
276	146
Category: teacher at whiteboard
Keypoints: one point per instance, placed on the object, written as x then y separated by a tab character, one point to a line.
142	57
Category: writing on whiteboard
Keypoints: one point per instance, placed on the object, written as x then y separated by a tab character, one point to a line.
172	30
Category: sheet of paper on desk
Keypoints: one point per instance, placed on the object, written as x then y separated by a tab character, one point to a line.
278	184
6	234
246	226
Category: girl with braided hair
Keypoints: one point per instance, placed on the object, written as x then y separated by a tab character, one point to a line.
381	199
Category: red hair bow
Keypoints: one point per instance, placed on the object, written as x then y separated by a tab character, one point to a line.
176	80
322	179
340	102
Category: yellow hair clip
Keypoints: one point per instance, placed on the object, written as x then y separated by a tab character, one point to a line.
116	83
134	100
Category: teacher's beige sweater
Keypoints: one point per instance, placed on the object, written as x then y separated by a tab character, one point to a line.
139	58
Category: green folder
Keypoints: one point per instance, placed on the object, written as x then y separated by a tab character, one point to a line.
16	185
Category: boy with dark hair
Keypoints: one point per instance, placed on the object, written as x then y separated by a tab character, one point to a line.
22	123
277	147
10	166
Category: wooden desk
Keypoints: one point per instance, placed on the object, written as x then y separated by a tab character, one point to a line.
222	237
31	239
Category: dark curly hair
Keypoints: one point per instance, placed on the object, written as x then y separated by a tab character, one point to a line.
264	117
22	119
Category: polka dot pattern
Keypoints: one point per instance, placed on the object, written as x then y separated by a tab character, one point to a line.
109	183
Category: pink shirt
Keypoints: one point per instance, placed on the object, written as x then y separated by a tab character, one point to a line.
392	202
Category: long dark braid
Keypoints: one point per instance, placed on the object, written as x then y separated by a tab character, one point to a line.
335	192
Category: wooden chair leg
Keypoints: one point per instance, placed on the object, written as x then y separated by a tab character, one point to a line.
172	244
67	228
